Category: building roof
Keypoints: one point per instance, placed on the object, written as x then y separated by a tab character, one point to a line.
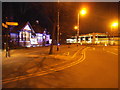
21	26
91	34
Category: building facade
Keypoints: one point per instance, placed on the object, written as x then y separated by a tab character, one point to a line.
27	37
95	38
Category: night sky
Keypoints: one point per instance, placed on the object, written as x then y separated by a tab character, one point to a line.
99	15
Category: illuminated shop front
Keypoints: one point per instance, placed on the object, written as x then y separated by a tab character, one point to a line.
27	37
94	38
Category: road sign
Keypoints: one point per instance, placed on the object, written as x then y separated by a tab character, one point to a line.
12	23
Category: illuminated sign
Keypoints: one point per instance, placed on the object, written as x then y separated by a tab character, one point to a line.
4	25
12	23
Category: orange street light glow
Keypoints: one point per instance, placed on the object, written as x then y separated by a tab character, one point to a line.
12	23
83	11
76	27
115	24
4	25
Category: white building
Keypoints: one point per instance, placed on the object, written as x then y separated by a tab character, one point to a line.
27	37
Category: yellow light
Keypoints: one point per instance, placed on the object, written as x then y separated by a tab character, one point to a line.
115	24
12	23
83	11
4	25
76	27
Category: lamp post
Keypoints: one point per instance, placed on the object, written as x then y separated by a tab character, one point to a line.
82	12
76	28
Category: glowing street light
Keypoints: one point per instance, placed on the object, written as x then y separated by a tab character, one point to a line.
76	27
4	25
115	24
83	11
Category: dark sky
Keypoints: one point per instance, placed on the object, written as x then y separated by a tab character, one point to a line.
98	18
99	15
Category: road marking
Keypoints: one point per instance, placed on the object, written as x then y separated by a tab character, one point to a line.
112	53
66	54
73	63
47	71
78	59
76	53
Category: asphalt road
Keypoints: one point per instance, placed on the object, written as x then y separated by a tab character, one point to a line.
98	69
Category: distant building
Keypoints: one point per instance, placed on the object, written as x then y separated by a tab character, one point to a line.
94	38
26	36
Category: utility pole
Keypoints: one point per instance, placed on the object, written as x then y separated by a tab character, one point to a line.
53	38
58	27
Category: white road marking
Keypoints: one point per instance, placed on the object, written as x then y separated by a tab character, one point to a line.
75	54
112	52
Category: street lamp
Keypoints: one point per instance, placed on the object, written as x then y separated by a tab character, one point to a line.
113	25
76	27
82	12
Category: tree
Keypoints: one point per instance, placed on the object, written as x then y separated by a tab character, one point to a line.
54	20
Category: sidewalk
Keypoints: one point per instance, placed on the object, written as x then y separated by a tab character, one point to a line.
21	62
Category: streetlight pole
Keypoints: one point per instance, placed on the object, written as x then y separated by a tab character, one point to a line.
82	12
78	27
111	33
